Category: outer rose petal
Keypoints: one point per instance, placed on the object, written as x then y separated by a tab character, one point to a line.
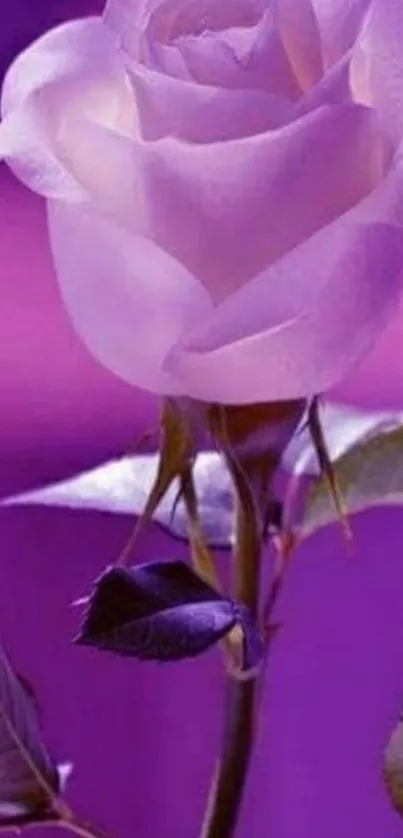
297	329
377	383
129	301
73	70
377	66
32	161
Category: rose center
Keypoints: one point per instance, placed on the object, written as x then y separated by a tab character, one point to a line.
174	20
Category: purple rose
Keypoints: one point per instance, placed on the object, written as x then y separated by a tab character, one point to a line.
224	185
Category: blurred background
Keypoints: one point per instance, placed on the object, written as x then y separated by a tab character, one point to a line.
143	738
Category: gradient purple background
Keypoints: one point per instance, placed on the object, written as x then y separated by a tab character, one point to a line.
143	737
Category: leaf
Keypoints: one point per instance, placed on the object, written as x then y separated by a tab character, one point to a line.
122	486
393	767
161	611
369	474
343	428
30	781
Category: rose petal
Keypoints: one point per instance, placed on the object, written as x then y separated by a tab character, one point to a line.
339	23
299	327
103	163
300	36
202	113
171	19
125	18
377	65
245	58
166	59
129	19
73	70
333	88
129	301
31	159
377	383
228	210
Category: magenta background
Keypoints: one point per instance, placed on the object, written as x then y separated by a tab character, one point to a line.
143	737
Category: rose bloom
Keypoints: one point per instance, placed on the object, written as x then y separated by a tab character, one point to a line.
224	182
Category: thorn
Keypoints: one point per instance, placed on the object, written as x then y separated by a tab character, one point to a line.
285	542
178	498
271	631
202	558
175	451
134	446
272	519
327	469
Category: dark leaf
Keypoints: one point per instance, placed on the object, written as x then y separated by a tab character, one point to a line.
29	780
160	611
393	767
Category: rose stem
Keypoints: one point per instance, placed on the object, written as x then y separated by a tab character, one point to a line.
229	781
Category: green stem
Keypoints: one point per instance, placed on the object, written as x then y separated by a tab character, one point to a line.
230	778
226	793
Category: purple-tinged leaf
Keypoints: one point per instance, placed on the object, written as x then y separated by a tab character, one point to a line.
30	781
122	486
343	429
162	611
369	474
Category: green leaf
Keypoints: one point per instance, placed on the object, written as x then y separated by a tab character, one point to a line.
369	474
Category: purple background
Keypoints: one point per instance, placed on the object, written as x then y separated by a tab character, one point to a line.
144	737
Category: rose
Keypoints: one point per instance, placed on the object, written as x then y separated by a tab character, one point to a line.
224	185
